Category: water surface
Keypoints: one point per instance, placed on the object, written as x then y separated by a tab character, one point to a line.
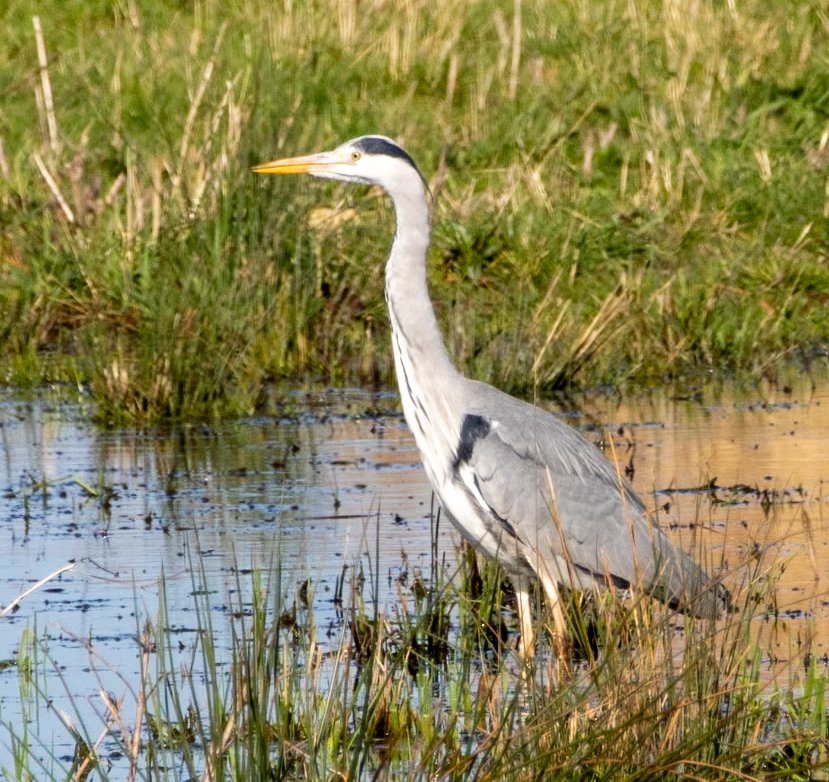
335	482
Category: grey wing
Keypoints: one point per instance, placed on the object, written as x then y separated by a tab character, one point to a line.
557	493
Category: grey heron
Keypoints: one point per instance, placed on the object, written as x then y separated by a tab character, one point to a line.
522	486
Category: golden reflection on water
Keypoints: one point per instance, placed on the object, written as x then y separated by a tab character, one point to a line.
752	470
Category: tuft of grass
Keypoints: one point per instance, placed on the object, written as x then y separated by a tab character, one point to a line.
430	688
623	192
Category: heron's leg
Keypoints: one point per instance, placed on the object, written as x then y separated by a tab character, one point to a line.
526	644
560	634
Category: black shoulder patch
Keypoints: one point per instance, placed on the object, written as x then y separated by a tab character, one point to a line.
377	145
473	428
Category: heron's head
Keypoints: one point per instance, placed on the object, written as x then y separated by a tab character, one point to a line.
369	160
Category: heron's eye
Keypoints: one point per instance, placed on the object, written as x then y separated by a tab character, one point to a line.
355	156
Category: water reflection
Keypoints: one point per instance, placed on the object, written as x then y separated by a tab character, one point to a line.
336	480
307	487
752	469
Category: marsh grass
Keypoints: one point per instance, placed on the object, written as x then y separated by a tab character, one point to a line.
623	191
430	688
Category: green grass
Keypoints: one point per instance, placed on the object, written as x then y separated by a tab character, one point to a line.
433	690
626	191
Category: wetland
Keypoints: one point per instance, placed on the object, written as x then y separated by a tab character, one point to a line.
330	492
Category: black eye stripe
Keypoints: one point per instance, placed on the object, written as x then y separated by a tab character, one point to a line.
375	145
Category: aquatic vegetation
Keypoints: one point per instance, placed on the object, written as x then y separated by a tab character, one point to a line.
434	690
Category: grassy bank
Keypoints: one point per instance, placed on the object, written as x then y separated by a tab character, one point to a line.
625	191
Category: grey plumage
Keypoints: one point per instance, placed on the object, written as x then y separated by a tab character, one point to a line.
520	485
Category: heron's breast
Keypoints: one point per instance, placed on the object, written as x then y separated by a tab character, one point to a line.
475	525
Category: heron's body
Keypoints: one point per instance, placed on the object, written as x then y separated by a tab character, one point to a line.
520	485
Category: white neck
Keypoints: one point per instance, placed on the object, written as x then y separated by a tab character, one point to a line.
412	316
428	381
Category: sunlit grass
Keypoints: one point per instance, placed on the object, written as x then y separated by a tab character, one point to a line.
623	191
431	688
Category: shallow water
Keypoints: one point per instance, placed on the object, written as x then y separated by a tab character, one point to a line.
334	482
307	490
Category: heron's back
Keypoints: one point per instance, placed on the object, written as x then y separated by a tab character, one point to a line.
568	504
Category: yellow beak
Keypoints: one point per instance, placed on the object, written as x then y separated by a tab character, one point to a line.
305	164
